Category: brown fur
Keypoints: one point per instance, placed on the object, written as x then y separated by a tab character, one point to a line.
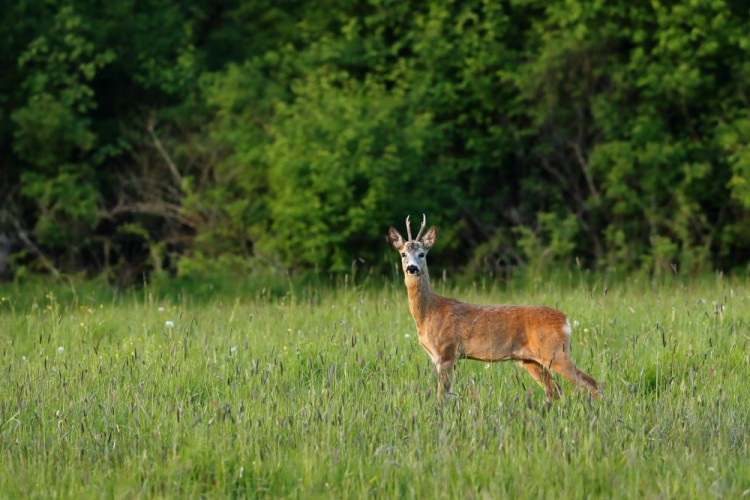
536	337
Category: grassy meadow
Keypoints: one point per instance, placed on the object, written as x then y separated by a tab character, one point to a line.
325	392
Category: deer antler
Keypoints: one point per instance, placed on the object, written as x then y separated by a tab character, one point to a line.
421	228
408	228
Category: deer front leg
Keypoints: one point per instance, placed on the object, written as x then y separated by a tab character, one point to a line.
445	373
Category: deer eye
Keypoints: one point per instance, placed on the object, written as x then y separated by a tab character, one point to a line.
403	254
421	255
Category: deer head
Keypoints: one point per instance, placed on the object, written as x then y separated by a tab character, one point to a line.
413	251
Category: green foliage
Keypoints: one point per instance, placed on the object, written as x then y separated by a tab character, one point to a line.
67	202
333	180
733	136
53	128
292	134
553	240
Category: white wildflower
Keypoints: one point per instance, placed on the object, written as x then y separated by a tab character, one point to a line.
161	309
60	349
169	324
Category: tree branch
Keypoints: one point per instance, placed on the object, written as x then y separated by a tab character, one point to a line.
164	210
163	152
34	249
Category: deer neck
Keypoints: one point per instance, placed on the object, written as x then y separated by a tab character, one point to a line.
421	296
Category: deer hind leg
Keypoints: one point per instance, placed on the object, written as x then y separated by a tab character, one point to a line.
563	365
543	378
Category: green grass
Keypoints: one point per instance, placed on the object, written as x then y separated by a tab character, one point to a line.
326	393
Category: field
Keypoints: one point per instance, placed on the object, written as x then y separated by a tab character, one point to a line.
325	392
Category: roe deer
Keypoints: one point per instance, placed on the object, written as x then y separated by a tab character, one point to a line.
538	338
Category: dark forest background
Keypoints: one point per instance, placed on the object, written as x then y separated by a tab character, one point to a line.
196	137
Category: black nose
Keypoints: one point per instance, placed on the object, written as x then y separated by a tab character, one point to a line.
412	269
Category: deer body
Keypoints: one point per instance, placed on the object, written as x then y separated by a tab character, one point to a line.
537	337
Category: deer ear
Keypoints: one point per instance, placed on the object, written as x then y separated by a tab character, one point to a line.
428	240
397	241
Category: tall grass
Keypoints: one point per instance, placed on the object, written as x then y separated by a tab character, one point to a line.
326	392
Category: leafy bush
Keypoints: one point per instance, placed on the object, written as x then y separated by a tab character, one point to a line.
292	134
